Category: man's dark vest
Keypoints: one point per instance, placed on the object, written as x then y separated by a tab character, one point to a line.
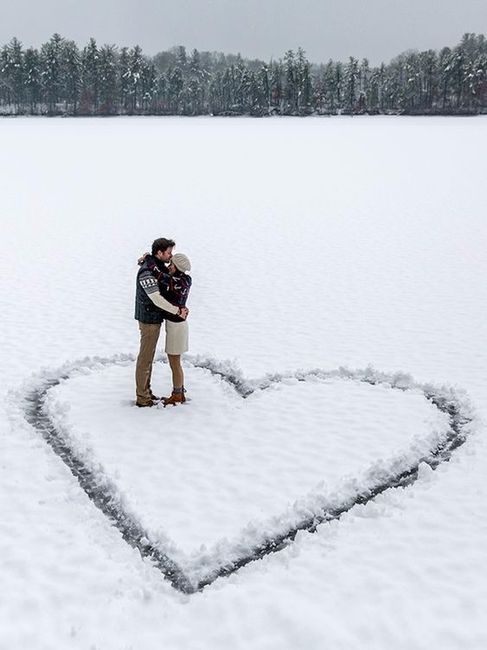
145	310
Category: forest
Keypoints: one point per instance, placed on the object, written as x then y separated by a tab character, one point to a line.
60	78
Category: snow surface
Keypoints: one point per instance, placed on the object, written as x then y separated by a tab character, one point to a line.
315	243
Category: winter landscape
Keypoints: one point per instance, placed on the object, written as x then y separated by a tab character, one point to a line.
337	342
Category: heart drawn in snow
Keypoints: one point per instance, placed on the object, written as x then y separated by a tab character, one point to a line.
204	488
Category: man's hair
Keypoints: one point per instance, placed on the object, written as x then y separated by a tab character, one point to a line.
162	244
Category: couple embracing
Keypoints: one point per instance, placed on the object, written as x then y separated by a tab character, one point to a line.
162	290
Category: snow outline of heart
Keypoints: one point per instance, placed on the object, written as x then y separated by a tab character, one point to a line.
306	514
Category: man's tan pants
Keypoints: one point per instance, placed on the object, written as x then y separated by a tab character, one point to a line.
149	335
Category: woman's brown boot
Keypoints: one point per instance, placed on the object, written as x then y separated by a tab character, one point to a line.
177	397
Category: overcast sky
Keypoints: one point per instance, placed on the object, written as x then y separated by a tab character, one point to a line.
377	29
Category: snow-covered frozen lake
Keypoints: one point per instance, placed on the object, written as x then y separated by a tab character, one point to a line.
315	244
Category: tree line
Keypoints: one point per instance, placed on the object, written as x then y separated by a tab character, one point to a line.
62	79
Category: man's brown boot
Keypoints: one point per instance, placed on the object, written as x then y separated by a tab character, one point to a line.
143	404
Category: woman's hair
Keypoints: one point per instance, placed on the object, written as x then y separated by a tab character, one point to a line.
162	244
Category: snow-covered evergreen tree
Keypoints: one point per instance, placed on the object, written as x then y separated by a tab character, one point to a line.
32	79
90	93
264	86
71	76
195	87
148	86
134	78
277	86
12	72
51	66
303	83
176	85
107	79
291	88
351	85
123	79
363	86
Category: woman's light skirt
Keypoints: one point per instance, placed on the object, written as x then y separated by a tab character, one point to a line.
177	337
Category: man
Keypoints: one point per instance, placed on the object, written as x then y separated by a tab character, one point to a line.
150	310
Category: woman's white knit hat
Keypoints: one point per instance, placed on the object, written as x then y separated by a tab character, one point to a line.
181	262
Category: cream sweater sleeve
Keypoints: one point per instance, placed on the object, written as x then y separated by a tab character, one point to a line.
150	286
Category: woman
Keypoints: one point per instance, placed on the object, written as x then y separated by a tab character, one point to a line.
174	284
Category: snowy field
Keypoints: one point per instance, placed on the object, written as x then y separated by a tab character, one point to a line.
339	273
